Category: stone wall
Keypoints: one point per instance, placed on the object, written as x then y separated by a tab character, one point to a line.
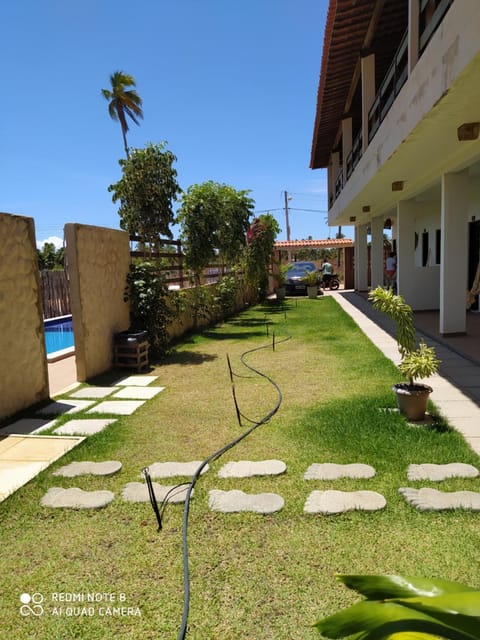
98	260
23	370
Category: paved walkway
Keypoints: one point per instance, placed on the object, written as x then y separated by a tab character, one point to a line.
456	387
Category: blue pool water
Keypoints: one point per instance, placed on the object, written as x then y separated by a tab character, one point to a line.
58	334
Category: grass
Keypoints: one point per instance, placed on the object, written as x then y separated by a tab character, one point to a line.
268	577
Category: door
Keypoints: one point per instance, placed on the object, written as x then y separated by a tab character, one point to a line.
473	257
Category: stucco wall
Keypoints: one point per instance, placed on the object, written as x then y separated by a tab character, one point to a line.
23	370
98	260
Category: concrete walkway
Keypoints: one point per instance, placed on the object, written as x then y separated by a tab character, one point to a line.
456	388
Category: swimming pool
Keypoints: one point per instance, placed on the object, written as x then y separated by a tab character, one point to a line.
58	335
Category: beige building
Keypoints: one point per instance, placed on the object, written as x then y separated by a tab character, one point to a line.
397	127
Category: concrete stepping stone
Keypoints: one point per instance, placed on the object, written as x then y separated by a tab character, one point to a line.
85	427
118	407
138	492
65	406
426	499
75	498
106	468
332	471
93	392
144	393
437	472
334	502
174	469
236	501
136	381
247	469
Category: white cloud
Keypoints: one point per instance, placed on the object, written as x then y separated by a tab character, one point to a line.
58	242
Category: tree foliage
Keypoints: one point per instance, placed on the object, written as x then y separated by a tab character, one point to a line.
50	258
214	219
151	308
146	191
123	102
259	250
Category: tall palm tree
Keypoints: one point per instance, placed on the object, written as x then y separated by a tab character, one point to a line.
123	102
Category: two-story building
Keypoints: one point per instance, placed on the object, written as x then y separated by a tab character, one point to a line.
398	128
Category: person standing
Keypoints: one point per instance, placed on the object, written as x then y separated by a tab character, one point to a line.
391	269
327	272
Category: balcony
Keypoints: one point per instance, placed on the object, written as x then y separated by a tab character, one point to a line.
394	80
355	154
432	13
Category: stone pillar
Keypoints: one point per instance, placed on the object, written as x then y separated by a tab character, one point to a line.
376	255
454	252
361	258
368	93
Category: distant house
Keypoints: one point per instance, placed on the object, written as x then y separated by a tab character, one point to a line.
397	126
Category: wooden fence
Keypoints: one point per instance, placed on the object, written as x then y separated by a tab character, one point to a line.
56	291
173	263
55	294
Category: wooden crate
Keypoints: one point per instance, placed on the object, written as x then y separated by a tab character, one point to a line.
133	355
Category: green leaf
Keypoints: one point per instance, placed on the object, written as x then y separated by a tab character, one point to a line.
380	587
365	616
466	604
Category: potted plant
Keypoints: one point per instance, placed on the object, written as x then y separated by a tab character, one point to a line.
417	361
279	275
311	280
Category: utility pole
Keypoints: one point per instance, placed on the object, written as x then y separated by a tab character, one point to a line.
287	198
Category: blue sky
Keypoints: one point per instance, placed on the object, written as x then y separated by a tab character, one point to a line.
231	86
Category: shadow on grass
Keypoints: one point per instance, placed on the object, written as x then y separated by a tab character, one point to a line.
368	429
186	358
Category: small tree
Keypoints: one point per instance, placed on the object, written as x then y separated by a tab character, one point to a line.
214	219
259	250
146	191
151	308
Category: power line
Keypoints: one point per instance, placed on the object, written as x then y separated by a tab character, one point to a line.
310	210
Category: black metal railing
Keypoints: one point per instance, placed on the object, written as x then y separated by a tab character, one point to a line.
430	20
355	154
394	80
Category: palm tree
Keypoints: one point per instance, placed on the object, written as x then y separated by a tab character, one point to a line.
123	102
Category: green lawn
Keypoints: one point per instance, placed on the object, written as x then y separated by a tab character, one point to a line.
252	577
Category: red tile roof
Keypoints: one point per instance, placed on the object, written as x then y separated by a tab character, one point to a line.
314	244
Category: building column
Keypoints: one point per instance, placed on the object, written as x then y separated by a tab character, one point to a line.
405	236
361	258
454	253
376	255
368	93
413	33
346	144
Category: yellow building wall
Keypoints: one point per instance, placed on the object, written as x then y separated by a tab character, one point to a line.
98	261
23	370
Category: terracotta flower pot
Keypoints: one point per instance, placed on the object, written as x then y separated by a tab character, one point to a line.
412	399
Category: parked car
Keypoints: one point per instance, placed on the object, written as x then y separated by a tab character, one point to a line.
295	277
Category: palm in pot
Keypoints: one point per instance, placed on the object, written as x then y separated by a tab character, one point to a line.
418	361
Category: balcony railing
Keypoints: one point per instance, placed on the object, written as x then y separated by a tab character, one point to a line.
394	80
355	154
339	184
430	20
